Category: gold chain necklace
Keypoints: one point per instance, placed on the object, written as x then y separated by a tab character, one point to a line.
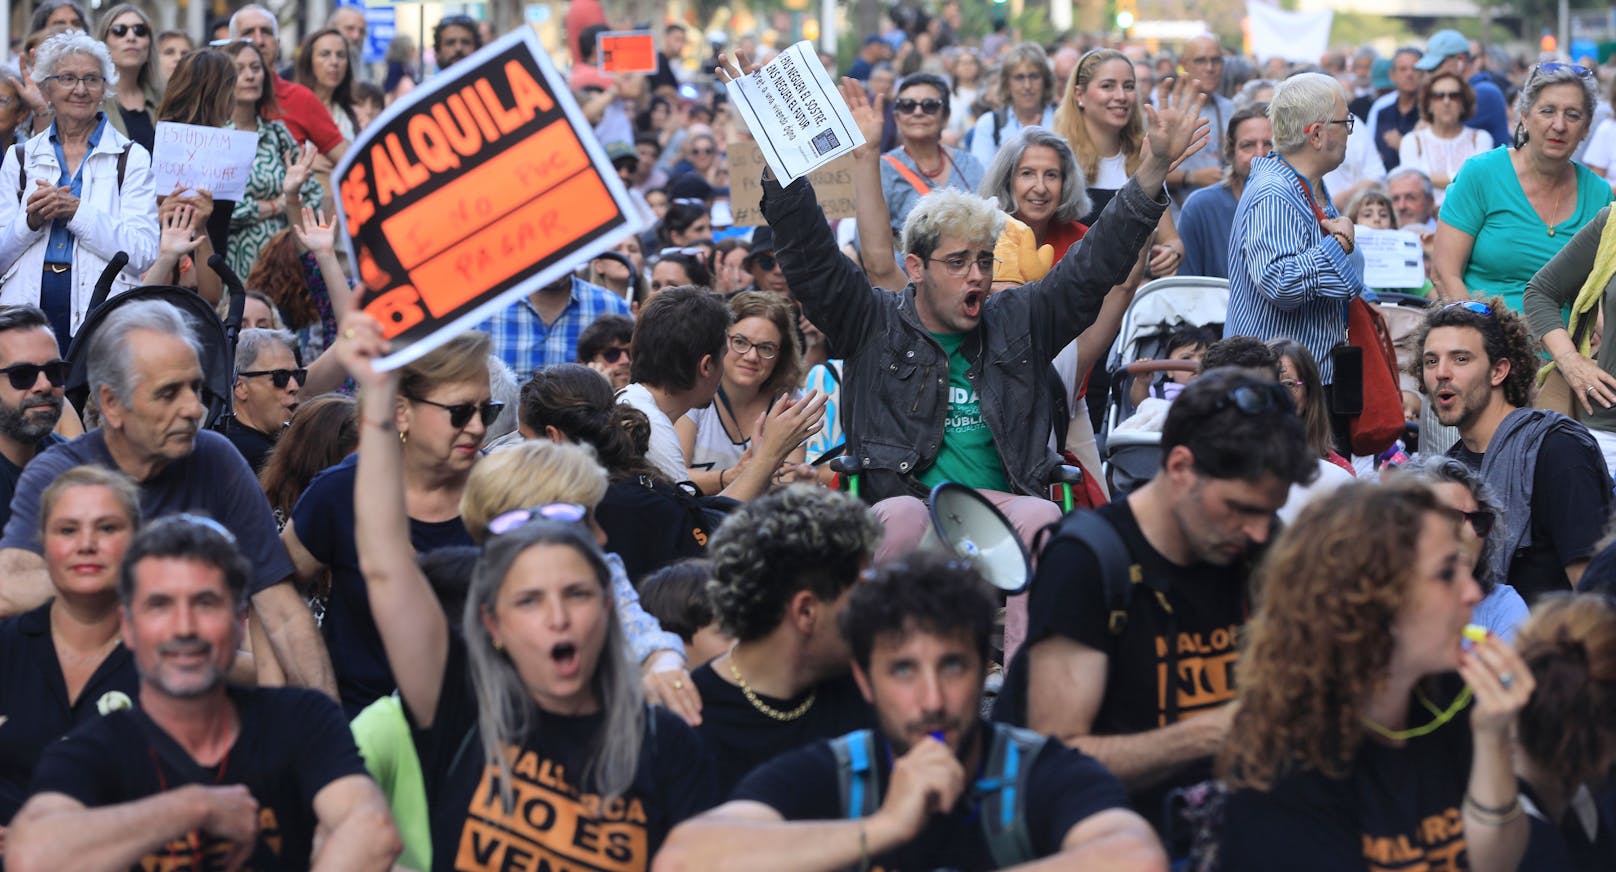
1558	197
762	706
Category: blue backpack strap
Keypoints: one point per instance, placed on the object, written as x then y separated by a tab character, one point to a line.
856	778
1002	793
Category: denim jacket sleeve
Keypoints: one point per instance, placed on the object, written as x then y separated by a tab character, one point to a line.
641	630
834	292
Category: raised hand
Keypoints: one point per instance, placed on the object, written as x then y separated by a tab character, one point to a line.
788	424
359	345
179	237
298	166
317	235
866	115
742	65
1175	131
1501	681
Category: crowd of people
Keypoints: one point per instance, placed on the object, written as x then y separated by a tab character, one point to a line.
637	573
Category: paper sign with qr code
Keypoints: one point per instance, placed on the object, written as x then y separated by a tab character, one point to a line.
795	113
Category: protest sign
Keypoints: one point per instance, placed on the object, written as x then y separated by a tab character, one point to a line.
1295	36
194	157
1392	258
794	112
833	184
626	51
474	190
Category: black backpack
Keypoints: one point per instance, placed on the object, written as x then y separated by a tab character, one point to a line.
1002	791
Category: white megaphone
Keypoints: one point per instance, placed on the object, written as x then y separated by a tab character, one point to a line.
963	522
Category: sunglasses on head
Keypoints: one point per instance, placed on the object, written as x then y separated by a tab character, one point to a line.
281	377
564	513
1475	306
24	375
122	30
907	106
1556	66
460	413
1264	399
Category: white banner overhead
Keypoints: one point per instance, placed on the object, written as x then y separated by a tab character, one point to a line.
1300	37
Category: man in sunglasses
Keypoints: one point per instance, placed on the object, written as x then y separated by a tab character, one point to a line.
1478	365
1092	672
30	395
268	379
763	265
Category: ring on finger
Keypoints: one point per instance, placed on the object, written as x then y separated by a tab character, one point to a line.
1506	680
678	684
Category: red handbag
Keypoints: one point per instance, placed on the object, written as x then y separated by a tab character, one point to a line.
1380	423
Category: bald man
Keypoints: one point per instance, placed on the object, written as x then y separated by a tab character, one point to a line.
1203	64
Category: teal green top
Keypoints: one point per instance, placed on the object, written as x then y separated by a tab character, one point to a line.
1512	243
968	455
383	736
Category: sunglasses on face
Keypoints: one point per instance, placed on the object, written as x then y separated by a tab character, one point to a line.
565	513
460	413
281	377
765	262
24	375
122	30
1481	522
907	106
613	355
1445	95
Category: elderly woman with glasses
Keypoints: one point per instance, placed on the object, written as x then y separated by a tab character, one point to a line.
87	192
921	163
1511	210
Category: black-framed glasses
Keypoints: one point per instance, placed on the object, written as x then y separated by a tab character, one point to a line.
1474	306
1213	61
741	345
1263	399
25	375
613	354
564	513
71	82
1556	66
765	262
959	267
460	413
909	106
1481	521
1446	95
1347	122
281	377
122	30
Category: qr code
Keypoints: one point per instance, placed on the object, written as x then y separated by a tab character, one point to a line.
825	142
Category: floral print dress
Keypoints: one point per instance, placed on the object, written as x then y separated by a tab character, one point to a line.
249	232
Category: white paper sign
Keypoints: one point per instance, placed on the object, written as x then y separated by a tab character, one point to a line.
795	113
1301	37
1392	258
203	158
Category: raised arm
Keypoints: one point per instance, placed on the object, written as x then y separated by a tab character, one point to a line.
872	216
319	236
413	628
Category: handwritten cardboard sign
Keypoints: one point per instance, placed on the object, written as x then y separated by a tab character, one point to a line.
193	157
626	51
474	190
833	184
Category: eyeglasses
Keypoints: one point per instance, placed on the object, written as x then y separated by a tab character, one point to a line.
25	375
613	354
1480	521
701	151
908	106
765	262
1556	66
741	345
1214	61
281	377
1446	95
71	82
1024	78
1346	122
564	513
686	251
959	267
9	101
460	413
1264	399
122	30
1475	306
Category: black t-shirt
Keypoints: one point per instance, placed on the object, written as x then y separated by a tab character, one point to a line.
1569	847
11	472
293	742
254	445
649	528
324	521
1397	809
1063	788
740	737
34	709
555	825
1570	504
1068	599
139	124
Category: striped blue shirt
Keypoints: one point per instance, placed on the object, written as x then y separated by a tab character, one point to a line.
1287	278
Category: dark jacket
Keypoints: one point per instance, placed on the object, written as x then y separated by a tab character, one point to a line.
895	377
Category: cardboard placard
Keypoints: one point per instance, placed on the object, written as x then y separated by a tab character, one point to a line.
193	157
626	51
476	189
833	184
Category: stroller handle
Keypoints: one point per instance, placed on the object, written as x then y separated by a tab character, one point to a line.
103	285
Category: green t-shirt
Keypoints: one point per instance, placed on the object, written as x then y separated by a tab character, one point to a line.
383	736
1512	243
968	454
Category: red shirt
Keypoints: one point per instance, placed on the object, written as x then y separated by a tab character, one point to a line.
1064	236
305	116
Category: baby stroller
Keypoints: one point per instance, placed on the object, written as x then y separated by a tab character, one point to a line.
1132	456
218	339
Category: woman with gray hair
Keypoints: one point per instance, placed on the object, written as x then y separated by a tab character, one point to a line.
1510	211
1462	489
1036	179
1026	89
85	192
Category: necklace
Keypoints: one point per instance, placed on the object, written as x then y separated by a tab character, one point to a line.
1556	212
1440	717
762	706
942	163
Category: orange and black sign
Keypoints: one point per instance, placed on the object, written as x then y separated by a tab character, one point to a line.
479	187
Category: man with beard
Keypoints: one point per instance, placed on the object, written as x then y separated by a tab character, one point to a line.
1477	364
144	362
267	383
1155	585
31	395
454	39
201	775
934	786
